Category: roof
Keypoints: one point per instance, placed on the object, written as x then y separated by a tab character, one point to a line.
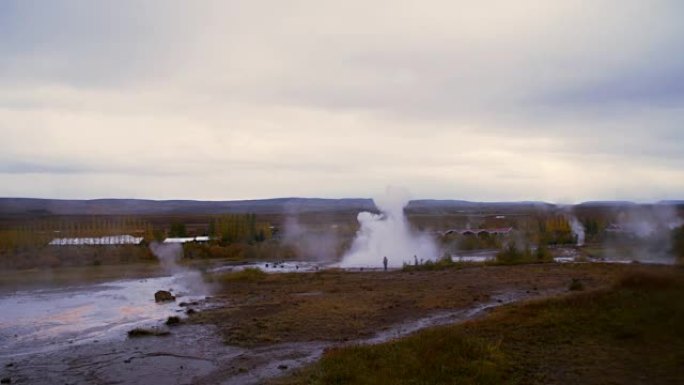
499	230
106	240
187	239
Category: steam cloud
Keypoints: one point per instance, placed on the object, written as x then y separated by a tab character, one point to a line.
190	280
168	255
645	234
388	234
313	245
645	223
577	230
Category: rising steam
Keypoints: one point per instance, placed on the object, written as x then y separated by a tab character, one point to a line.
577	229
189	281
388	234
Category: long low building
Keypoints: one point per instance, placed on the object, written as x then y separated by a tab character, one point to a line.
495	231
187	239
106	240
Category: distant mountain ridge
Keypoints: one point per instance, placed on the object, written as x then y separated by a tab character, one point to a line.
146	206
37	206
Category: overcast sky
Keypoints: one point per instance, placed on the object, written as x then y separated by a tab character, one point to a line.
562	101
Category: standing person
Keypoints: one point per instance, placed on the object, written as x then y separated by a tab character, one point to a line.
384	262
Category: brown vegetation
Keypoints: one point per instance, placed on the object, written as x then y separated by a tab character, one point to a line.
337	305
67	256
630	333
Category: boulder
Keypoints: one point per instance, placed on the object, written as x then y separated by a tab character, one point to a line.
163	296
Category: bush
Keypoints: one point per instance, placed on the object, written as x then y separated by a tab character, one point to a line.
511	255
542	254
443	263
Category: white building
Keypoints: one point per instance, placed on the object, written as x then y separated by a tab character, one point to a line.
200	239
106	240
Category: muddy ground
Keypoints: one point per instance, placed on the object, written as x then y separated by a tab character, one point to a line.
342	305
265	326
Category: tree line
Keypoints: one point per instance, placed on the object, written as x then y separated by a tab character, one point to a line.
234	228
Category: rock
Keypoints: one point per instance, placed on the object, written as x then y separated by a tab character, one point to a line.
173	320
282	367
163	296
190	311
150	332
6	380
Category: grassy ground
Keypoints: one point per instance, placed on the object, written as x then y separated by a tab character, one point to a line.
339	306
629	333
73	256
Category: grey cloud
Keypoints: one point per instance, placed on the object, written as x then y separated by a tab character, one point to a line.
24	167
505	96
61	167
658	89
88	43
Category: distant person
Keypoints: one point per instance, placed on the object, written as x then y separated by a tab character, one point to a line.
384	262
415	260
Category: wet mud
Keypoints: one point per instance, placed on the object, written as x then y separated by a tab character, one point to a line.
195	354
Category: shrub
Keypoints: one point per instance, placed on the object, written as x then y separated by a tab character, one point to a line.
443	263
542	254
512	255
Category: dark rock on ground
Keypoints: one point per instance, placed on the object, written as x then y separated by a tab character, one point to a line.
163	296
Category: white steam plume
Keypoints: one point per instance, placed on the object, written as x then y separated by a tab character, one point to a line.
388	234
168	255
190	280
577	229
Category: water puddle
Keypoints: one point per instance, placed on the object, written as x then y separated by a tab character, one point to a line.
273	267
42	320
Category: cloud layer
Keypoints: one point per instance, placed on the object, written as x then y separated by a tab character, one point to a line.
486	100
